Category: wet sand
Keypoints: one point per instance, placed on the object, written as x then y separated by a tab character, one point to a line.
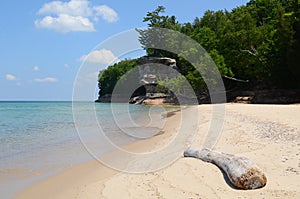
269	135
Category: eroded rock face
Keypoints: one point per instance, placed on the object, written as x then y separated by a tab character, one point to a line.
149	99
104	99
162	60
151	68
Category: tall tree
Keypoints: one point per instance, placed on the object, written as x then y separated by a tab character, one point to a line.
259	41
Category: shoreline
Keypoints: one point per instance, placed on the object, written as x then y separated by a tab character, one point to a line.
81	174
267	134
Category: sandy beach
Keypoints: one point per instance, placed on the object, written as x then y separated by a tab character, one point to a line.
269	135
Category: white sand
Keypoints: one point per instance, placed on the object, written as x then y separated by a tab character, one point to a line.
267	134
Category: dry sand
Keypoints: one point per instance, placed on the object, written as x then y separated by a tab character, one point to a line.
269	135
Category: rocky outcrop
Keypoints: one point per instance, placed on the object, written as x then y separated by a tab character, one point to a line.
152	99
274	96
104	99
150	70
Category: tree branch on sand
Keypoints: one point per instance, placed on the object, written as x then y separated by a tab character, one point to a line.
242	172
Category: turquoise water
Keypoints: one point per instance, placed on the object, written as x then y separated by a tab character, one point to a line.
40	138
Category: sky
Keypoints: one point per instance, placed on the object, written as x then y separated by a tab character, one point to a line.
44	43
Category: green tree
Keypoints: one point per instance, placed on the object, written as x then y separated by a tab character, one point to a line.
284	40
259	41
110	76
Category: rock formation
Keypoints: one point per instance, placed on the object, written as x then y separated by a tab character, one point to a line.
150	71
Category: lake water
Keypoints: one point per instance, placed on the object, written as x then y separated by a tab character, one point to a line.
38	139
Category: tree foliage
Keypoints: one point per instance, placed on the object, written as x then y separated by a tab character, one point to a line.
110	76
259	41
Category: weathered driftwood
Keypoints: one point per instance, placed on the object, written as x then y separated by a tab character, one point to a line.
241	171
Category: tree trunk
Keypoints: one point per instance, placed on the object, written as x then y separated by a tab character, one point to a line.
241	171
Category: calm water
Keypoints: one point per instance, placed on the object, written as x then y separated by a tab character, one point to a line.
40	138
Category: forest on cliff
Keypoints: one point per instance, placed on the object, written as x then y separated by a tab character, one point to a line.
258	42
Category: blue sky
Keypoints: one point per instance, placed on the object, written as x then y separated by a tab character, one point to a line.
44	42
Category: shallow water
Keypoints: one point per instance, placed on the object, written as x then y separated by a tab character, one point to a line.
38	139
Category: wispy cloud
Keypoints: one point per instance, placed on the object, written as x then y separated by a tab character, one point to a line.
106	13
10	77
74	15
102	56
36	68
47	79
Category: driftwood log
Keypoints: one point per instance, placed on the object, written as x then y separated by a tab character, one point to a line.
241	171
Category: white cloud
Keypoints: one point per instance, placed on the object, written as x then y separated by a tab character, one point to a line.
102	56
47	79
36	68
106	13
10	77
74	15
72	8
66	23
